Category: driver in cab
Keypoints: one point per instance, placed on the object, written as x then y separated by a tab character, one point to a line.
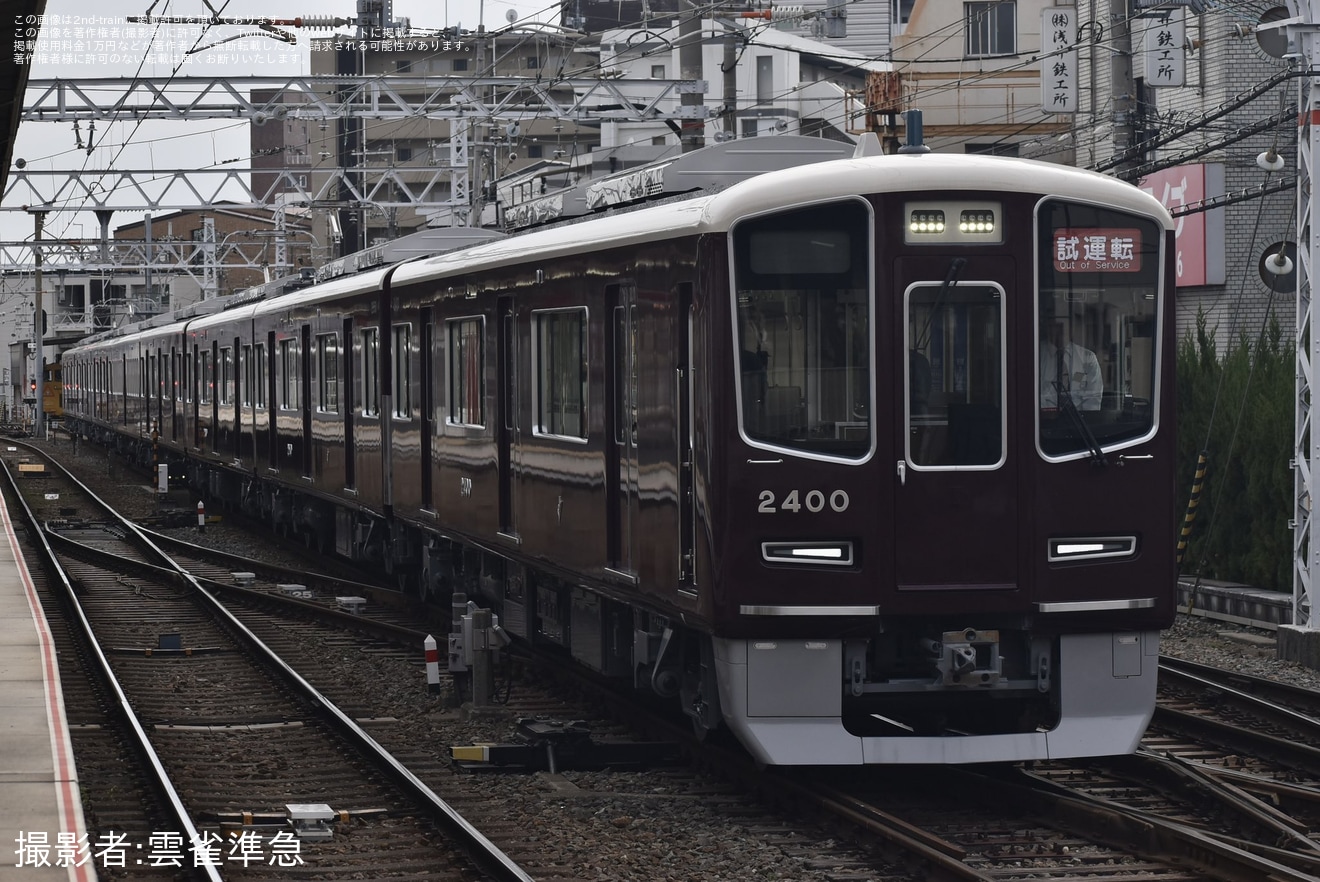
1067	367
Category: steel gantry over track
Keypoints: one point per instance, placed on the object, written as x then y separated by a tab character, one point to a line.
464	101
396	97
1301	640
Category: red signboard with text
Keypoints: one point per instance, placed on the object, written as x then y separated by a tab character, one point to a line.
1097	250
1199	234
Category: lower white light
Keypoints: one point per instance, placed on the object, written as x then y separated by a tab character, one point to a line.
1079	549
814	553
1091	548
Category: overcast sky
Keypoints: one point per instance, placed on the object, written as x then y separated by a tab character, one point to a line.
80	51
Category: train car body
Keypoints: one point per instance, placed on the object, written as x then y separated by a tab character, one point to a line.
806	455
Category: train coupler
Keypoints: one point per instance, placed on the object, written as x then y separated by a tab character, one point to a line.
967	657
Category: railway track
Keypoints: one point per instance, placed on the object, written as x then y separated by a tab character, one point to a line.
1057	823
231	731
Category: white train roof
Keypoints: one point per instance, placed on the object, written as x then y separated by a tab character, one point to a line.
916	172
920	173
924	173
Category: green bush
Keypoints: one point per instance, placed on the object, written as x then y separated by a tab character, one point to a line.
1238	408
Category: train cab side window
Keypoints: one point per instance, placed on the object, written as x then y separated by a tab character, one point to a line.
370	372
327	373
804	343
466	371
1097	317
289	374
561	366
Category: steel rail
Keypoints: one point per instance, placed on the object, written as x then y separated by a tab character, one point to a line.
103	670
486	853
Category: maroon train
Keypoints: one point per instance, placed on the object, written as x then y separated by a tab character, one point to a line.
870	460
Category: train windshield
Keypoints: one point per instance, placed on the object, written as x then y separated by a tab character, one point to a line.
802	283
1097	309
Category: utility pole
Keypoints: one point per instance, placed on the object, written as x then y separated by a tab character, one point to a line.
39	419
692	101
1121	84
729	113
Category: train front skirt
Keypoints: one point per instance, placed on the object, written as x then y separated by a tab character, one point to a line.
1106	698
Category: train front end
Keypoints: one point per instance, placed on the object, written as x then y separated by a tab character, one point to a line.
944	524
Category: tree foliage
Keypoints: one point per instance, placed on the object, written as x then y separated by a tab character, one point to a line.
1239	409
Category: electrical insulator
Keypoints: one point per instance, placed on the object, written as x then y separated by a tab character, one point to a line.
783	12
321	22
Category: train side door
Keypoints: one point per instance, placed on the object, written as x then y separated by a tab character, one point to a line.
506	417
955	496
427	379
233	386
272	429
621	450
305	396
352	402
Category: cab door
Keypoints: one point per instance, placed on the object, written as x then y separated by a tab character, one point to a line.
955	498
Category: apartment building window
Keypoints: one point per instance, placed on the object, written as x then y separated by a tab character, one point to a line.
533	63
993	148
460	64
991	28
657	71
765	79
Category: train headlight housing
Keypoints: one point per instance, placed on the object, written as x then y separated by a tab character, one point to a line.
953	221
927	221
831	554
977	222
1065	549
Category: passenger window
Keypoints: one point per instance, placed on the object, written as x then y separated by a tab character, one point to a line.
561	365
289	375
402	371
466	371
370	372
327	373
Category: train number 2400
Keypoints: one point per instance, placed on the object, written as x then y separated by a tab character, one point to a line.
812	501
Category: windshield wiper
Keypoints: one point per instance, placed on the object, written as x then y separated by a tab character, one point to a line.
950	279
1079	423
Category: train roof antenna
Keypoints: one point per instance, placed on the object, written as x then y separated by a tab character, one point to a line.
915	137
